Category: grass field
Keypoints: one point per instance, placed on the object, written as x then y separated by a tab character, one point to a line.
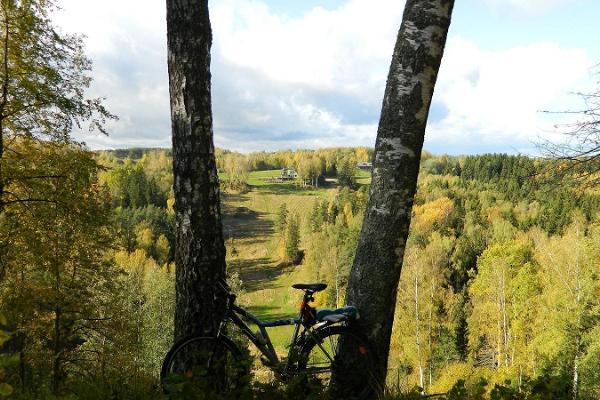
362	177
261	178
253	249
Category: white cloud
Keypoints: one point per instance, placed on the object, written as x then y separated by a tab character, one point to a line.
324	48
317	79
496	97
528	6
126	41
110	24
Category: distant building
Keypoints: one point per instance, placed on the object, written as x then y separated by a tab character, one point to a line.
288	174
365	166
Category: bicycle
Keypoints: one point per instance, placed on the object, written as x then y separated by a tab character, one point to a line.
313	350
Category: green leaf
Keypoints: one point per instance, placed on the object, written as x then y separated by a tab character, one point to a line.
5	389
4	337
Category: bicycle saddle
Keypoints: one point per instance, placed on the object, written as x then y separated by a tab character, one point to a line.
313	287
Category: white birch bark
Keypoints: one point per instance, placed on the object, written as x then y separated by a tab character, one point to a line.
413	72
418	332
200	249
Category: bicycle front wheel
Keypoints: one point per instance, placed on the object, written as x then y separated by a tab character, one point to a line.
339	359
210	364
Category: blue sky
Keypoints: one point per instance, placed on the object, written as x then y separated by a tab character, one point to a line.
308	74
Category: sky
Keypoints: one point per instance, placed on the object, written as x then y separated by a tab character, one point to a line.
309	74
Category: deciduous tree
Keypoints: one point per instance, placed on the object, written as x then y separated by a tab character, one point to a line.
200	250
43	77
578	152
376	270
237	168
56	279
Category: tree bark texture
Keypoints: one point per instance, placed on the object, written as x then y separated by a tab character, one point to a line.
200	250
375	273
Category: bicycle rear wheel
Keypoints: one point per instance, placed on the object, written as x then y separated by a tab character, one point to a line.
341	376
204	363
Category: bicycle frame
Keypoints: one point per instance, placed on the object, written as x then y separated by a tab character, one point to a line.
237	315
310	333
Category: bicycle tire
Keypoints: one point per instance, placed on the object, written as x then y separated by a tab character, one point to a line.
225	379
313	362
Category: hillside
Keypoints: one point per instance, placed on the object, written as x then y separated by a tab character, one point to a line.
499	285
474	217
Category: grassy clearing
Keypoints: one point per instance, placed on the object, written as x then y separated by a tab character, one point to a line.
362	177
253	250
263	179
253	246
260	178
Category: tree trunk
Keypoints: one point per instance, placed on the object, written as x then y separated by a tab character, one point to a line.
432	290
337	279
4	100
57	353
22	363
575	390
578	327
413	72
505	325
58	345
200	250
418	333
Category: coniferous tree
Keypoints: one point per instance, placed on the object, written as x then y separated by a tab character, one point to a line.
316	218
281	219
292	238
346	169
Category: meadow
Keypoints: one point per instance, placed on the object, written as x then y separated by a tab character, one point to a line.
253	246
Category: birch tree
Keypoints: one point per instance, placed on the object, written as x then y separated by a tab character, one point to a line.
200	250
503	296
413	72
422	311
569	270
578	151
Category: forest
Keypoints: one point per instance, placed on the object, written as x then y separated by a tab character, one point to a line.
499	291
129	273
